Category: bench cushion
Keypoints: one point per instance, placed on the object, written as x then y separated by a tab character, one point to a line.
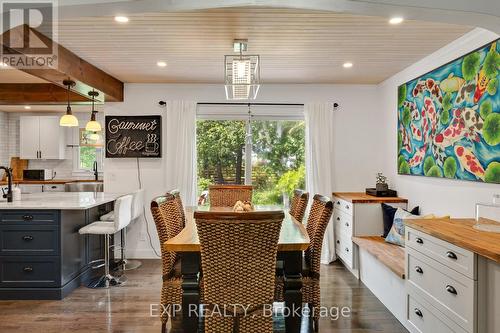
390	255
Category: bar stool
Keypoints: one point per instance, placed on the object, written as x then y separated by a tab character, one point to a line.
137	210
122	217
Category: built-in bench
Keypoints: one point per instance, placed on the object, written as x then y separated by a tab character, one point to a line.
390	255
381	267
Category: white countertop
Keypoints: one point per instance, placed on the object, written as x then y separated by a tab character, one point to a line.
60	200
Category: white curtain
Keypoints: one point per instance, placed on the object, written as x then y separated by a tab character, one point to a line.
180	149
319	163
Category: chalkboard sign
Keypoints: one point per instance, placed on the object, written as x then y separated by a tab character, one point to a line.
133	136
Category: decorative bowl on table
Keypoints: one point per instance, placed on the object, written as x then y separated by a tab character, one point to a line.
243	206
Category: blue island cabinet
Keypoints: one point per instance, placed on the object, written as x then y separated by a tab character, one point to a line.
42	255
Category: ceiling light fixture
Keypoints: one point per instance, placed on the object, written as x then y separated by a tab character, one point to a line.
93	125
347	65
161	64
121	19
396	20
68	120
241	73
27	107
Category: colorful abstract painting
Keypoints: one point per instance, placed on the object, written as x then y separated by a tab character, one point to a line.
449	119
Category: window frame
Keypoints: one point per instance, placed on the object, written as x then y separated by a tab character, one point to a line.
77	171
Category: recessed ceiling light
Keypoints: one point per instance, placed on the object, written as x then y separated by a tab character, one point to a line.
27	107
347	65
396	20
121	19
161	64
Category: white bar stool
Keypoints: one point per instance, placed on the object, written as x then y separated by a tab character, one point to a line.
137	210
122	217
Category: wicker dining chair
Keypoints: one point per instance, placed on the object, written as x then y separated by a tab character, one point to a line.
182	215
298	205
238	256
319	217
165	211
228	195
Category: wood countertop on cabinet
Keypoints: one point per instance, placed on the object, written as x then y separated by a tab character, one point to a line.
48	182
460	232
360	197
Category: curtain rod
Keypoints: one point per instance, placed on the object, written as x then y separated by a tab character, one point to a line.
250	104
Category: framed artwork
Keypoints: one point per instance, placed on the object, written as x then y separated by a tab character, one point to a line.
449	119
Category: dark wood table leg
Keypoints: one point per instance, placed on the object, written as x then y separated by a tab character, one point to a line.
190	268
293	289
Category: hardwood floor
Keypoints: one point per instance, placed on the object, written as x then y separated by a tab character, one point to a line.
127	309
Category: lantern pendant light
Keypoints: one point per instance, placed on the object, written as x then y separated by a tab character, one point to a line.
68	120
93	125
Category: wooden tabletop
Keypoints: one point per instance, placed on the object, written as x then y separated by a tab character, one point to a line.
360	197
460	232
293	236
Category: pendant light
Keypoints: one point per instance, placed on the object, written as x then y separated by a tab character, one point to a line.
93	125
68	120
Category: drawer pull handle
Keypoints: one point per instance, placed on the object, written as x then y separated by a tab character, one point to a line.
28	269
451	255
338	242
338	202
451	290
346	224
419	270
347	207
419	313
346	249
419	240
27	238
338	218
27	217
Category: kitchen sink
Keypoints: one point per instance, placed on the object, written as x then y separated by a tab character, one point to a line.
84	187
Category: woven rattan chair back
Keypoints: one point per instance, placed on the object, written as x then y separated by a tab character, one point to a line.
182	215
165	213
319	217
238	259
228	195
298	205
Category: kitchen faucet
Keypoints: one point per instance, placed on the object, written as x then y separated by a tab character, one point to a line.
8	195
96	172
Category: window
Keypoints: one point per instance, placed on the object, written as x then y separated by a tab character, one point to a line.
264	147
88	151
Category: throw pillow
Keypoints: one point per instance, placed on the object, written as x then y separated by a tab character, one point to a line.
388	215
397	233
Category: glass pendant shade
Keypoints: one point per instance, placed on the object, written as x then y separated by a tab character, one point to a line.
68	120
93	125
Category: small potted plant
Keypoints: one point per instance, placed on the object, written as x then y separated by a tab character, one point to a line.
381	183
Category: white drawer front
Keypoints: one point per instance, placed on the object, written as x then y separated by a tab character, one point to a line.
343	205
343	248
447	290
456	258
426	319
343	221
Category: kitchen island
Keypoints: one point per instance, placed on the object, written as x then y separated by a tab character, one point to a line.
42	255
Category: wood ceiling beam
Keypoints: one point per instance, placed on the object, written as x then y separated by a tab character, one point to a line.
37	93
69	66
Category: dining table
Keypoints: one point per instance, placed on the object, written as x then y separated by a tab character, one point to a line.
293	240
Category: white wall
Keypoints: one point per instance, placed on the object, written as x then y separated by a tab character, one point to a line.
440	196
356	131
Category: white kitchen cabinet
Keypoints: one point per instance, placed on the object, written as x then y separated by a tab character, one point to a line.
41	137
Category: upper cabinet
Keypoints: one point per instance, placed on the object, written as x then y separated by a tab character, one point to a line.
41	137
